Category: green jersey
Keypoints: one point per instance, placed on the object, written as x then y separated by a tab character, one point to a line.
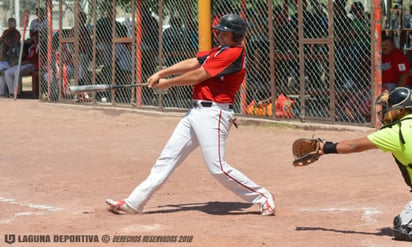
397	139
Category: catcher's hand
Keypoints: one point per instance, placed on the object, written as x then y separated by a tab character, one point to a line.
306	151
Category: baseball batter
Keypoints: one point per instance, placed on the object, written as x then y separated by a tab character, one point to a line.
395	137
216	76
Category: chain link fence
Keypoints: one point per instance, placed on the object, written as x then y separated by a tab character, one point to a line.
118	43
307	60
327	77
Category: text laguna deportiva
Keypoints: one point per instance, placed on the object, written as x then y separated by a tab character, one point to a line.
57	238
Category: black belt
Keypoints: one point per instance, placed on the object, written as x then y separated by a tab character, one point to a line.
207	104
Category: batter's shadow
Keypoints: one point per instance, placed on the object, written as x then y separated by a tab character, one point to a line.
386	231
214	208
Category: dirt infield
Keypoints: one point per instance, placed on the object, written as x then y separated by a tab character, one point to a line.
58	163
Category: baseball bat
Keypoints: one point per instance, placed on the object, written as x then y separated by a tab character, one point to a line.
102	87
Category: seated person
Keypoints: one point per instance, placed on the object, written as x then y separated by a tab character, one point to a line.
395	65
38	24
11	29
9	56
29	65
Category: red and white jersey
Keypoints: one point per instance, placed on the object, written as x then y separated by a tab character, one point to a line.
227	67
393	66
33	55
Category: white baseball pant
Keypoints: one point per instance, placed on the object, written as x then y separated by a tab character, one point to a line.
2	85
11	73
3	66
208	128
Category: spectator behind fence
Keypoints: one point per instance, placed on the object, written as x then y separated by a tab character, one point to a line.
313	28
9	56
357	106
341	25
38	24
282	30
104	41
11	29
68	55
257	48
85	48
360	46
314	22
343	79
283	48
28	66
193	27
123	68
85	54
150	50
176	45
395	65
123	55
174	41
150	42
104	27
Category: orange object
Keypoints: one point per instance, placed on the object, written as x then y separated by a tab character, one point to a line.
283	107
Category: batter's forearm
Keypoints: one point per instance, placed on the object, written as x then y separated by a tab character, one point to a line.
190	78
179	68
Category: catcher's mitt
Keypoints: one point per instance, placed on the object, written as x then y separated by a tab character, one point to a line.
305	151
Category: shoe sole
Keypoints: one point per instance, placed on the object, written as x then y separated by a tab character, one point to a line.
272	213
114	211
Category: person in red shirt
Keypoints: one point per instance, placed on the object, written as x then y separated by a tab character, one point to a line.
395	65
216	76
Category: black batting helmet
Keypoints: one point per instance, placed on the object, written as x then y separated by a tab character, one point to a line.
398	98
232	23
